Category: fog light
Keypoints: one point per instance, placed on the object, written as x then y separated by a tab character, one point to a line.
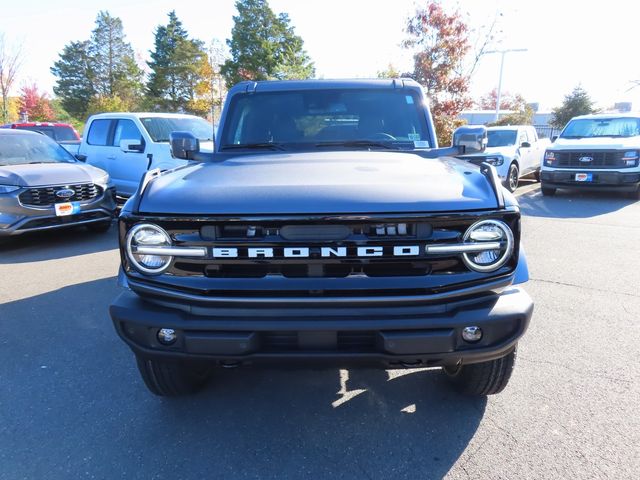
471	334
167	336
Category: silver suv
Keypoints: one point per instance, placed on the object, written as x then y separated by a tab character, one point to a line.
42	186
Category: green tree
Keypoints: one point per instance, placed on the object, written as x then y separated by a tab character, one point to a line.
10	61
440	41
264	46
576	103
103	66
116	72
176	67
75	78
390	72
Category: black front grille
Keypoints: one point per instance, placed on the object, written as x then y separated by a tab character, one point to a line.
590	159
46	196
60	221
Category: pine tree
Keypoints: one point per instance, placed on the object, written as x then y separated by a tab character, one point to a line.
100	70
576	103
75	78
264	46
176	66
115	69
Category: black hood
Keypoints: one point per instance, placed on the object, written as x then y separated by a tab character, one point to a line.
320	182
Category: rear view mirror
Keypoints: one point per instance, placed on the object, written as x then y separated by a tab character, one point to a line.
472	137
130	146
184	145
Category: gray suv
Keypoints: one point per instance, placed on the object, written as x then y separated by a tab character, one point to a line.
42	187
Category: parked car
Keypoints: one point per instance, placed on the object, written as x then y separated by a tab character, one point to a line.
63	133
515	151
326	227
127	145
42	186
595	152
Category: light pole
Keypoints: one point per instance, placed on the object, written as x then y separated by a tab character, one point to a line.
502	53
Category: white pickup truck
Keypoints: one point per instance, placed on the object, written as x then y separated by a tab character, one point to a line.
126	145
595	152
515	151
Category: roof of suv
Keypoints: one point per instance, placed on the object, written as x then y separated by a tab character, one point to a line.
16	131
285	85
610	115
141	114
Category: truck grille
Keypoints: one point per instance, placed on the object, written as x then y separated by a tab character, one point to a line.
46	196
590	159
386	235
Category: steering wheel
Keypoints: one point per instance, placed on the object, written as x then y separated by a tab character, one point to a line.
381	136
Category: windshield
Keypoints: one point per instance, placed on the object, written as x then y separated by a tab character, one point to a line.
159	128
501	138
329	117
602	127
21	149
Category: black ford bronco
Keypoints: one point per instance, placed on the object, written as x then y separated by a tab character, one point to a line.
326	227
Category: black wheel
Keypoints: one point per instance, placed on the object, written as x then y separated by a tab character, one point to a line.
547	191
171	379
99	227
635	195
512	177
486	378
536	175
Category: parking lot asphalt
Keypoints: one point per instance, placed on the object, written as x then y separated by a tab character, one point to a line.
72	404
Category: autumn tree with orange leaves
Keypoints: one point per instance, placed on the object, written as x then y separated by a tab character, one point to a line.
440	41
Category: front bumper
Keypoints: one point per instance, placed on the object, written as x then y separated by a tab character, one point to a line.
602	179
16	218
425	334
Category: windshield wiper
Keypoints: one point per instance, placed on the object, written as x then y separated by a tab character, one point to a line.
252	146
356	143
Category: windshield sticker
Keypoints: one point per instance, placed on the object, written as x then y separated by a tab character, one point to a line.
409	99
413	136
421	144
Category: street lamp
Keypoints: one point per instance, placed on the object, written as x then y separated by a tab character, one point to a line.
502	53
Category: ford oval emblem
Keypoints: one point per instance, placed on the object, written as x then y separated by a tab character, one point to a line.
586	159
65	193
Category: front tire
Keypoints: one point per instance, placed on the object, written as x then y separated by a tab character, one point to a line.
486	378
171	379
547	191
513	177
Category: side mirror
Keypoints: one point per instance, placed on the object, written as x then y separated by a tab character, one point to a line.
554	138
473	138
525	145
81	157
184	145
131	146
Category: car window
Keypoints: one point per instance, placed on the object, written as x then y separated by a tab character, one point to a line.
523	137
26	148
301	119
159	128
501	138
126	130
65	134
99	133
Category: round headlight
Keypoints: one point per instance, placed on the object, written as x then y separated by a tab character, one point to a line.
490	231
148	235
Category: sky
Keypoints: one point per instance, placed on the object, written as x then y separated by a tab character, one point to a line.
568	42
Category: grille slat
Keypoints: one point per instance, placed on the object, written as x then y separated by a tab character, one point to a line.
46	196
599	159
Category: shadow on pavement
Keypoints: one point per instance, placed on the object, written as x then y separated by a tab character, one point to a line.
52	244
73	406
572	204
